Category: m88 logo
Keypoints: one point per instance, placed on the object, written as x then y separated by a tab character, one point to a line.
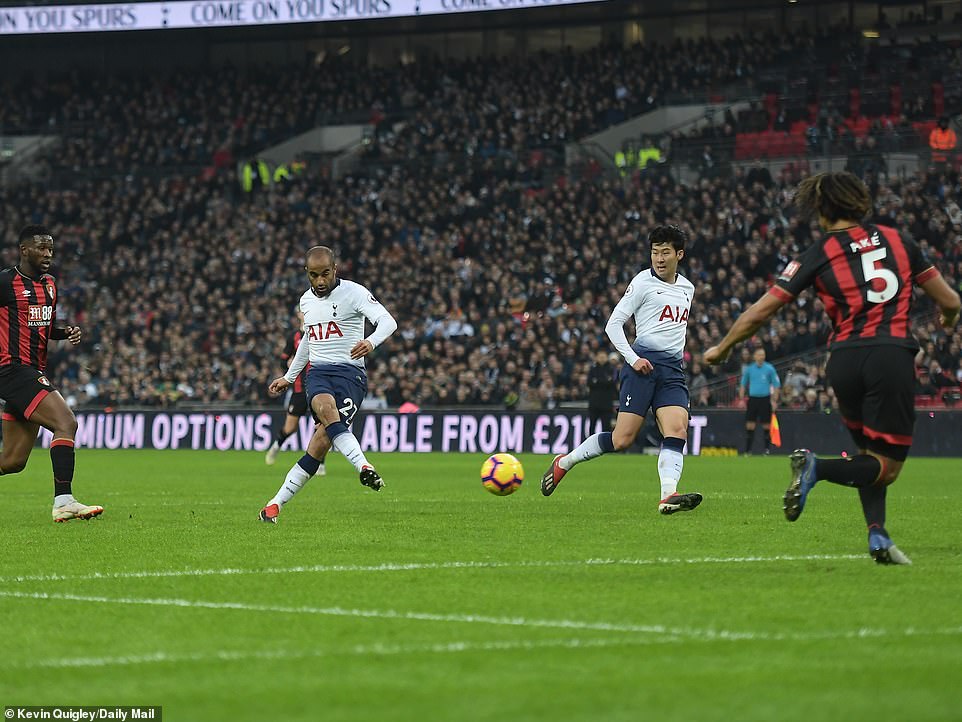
39	315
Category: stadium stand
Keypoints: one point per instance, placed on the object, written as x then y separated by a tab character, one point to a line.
500	272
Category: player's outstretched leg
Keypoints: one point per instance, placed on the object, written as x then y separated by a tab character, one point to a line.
592	447
803	480
343	441
298	475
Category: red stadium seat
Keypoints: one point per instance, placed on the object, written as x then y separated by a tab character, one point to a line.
854	102
938	98
895	99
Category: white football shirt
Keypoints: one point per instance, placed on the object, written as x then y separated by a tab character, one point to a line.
661	314
333	325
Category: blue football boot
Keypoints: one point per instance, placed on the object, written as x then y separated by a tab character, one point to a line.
803	479
882	549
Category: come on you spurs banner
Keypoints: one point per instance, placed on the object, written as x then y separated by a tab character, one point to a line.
471	432
226	13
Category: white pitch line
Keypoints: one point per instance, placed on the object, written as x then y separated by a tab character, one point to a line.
358	650
687	633
418	566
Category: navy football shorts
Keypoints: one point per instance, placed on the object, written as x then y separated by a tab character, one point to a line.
664	386
345	382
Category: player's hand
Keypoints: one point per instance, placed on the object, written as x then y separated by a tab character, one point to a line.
361	349
74	334
714	356
278	386
643	366
948	320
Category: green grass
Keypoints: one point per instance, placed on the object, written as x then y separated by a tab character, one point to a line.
694	617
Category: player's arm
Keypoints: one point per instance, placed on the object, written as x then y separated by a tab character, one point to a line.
71	333
747	324
384	325
301	357
615	330
58	333
945	297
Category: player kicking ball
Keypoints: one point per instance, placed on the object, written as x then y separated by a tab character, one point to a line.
659	298
334	313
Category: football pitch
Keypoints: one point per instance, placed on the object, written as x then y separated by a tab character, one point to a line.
434	600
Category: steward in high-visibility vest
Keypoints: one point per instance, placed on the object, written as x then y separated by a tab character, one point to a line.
281	173
622	162
247	175
942	140
648	155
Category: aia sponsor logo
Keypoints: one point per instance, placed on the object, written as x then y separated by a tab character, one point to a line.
39	315
674	313
324	331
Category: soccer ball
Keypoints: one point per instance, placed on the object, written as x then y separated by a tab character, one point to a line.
502	474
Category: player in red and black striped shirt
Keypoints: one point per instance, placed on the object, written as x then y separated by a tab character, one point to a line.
28	314
296	404
864	276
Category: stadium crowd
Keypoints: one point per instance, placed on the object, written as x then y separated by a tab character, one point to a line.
186	288
120	124
501	279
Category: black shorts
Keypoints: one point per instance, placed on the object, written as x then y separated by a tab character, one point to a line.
23	388
297	404
759	409
875	388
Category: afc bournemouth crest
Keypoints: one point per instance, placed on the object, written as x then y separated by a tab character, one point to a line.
43	380
50	289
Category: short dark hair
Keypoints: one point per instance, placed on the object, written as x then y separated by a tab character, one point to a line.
28	233
838	196
668	234
319	251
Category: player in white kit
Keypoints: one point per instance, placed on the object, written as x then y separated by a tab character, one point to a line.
333	342
659	298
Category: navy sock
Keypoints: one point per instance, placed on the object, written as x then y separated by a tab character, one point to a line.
673	443
604	440
749	438
336	429
309	464
859	471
